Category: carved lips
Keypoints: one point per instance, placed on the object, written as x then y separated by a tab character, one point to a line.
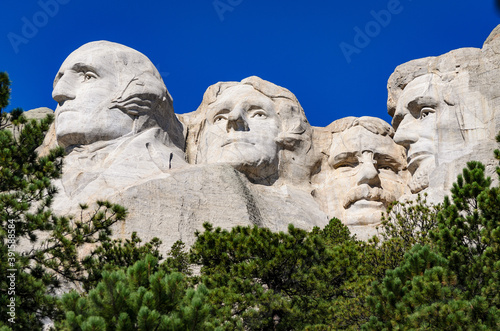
415	159
61	110
236	140
365	192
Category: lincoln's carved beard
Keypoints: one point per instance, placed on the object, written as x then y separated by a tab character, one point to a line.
420	178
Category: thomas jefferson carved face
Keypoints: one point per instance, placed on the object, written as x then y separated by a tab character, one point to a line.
242	126
366	176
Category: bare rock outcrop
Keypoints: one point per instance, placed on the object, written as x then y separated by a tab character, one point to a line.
446	111
248	155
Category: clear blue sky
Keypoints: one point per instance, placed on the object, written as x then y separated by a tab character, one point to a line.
295	44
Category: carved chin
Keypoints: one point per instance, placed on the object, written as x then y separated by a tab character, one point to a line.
367	216
257	170
66	139
420	178
251	161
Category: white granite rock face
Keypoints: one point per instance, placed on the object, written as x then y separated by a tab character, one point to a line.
256	126
33	114
248	156
38	113
363	171
125	144
446	112
116	121
175	207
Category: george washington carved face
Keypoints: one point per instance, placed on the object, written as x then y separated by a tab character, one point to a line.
105	91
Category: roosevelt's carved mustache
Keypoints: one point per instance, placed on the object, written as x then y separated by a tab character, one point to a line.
365	192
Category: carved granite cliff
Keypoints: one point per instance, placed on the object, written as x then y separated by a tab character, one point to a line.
363	171
116	121
446	112
125	144
248	156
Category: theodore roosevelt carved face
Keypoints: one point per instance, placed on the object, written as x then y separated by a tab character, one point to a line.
366	165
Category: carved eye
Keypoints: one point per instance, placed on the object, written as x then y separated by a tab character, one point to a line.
346	165
221	116
425	111
386	167
257	112
387	163
88	76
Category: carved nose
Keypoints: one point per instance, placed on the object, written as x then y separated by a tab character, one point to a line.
236	120
62	92
368	174
406	133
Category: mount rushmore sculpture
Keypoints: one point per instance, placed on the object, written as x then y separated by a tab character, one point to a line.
248	155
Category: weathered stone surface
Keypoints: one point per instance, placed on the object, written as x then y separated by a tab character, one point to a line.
248	156
33	114
446	112
38	113
363	171
127	146
175	207
115	119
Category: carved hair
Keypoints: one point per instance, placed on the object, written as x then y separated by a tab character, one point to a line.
373	124
447	67
471	68
143	96
295	131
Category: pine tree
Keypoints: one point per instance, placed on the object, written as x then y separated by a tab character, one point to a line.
29	279
114	254
453	282
178	259
142	297
262	280
410	222
418	294
4	98
462	231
